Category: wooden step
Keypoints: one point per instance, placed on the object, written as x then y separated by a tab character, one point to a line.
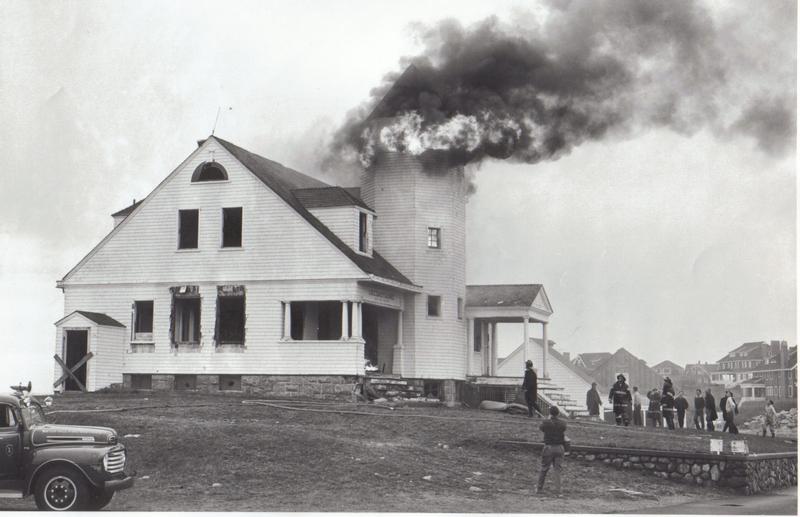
10	494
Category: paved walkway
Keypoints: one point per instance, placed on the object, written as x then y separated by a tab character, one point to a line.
780	502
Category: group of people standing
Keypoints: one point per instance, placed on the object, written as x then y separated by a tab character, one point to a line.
664	407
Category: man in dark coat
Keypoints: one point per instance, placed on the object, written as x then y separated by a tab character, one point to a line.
529	386
699	409
668	408
681	405
593	401
620	397
711	410
654	408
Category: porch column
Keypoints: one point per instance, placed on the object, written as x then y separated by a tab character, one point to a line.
470	343
355	319
398	355
484	348
525	338
345	318
287	320
492	349
545	348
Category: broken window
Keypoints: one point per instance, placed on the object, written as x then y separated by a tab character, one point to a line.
229	328
187	228
311	321
209	171
141	382
185	320
362	232
232	227
434	305
143	320
434	237
185	382
230	383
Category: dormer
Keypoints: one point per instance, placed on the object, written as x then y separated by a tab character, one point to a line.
343	212
125	212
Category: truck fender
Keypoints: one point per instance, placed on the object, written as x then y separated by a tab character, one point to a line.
57	461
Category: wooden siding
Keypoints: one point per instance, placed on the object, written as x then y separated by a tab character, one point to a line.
264	352
105	343
277	243
342	220
639	374
408	200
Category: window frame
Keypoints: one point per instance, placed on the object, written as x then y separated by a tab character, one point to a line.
438	299
142	337
438	237
460	308
227	293
198	171
196	229
241	228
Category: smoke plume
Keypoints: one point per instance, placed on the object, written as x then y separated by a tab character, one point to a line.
535	88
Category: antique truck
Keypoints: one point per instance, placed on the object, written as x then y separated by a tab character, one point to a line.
65	467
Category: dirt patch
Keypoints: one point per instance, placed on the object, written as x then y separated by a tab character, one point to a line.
408	460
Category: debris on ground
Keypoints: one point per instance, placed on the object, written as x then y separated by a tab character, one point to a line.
216	485
427	478
132	436
625	493
785	424
475	489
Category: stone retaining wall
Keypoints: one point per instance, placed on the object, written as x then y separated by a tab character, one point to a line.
745	474
326	387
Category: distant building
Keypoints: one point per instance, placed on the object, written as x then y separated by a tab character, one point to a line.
590	361
739	364
669	369
634	369
698	375
777	378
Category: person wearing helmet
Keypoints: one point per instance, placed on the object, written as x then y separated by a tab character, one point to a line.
529	386
620	397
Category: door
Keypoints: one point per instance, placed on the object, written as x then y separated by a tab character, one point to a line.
9	443
76	349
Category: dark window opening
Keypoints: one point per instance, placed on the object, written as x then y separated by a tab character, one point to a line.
311	321
460	308
232	227
209	171
187	231
477	336
143	320
434	237
7	416
434	305
185	382
186	320
362	232
432	389
230	383
142	382
229	329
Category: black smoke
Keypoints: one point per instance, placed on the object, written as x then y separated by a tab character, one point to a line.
535	88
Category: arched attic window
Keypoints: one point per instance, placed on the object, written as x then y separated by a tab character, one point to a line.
209	171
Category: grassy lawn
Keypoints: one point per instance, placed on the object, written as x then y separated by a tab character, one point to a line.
273	459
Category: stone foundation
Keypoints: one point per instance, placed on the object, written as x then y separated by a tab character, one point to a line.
337	387
746	474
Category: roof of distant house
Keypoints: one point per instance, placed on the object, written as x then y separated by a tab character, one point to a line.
592	359
676	367
505	295
752	350
127	210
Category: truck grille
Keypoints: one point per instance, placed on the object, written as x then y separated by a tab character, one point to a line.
114	461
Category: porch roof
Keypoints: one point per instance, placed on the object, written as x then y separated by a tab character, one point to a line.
96	317
508	302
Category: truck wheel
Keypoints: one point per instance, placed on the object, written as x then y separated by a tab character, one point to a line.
61	489
99	500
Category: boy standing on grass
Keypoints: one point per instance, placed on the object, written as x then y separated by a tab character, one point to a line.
770	419
553	451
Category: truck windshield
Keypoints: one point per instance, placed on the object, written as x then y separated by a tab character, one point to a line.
33	415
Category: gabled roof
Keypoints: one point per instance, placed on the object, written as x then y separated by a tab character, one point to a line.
583	374
97	317
752	349
127	210
507	295
326	197
593	359
675	367
283	180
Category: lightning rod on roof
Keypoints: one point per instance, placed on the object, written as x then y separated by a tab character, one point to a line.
217	119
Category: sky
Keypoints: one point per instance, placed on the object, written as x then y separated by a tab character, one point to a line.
674	240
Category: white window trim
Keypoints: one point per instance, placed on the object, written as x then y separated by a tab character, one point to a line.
368	252
440	237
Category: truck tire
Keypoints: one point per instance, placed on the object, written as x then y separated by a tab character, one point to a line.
61	488
98	500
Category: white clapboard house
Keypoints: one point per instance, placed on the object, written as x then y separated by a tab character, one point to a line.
237	273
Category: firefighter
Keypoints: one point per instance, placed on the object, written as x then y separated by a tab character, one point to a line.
620	397
654	408
668	408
